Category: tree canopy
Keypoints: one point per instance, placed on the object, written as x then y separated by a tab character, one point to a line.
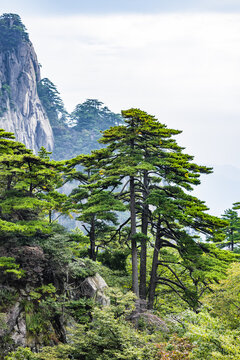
12	31
28	189
92	114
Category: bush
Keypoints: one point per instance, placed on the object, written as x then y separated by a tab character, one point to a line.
211	337
114	259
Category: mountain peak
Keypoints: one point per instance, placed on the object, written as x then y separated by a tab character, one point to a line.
21	111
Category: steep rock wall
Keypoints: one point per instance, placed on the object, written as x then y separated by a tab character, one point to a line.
21	111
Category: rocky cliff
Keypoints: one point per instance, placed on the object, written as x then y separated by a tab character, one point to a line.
37	308
21	111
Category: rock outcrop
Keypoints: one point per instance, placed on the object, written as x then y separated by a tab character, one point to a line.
21	111
94	287
35	309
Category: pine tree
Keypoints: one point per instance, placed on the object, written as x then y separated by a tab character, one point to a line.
28	189
91	114
12	32
52	103
145	157
232	230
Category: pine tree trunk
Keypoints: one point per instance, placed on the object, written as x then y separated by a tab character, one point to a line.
92	240
232	241
153	279
143	254
135	288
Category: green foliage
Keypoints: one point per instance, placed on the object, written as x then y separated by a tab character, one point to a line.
141	152
40	312
176	348
42	292
21	354
122	304
232	230
8	266
57	246
93	115
153	174
72	132
115	259
96	205
108	336
47	354
28	190
12	32
52	102
184	280
212	339
83	268
79	243
224	301
80	310
44	154
8	297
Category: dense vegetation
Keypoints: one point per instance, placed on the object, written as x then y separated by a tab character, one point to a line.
144	232
12	32
79	131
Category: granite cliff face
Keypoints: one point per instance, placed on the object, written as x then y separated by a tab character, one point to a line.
21	111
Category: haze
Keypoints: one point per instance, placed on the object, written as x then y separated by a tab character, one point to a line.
176	60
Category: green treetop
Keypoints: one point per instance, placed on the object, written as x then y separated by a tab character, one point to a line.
52	102
28	189
12	31
232	230
93	115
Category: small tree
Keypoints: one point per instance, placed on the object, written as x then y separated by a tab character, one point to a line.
28	189
232	230
91	114
52	102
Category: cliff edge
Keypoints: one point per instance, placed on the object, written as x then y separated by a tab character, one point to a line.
21	111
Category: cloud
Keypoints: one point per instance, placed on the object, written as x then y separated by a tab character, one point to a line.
181	67
184	68
70	7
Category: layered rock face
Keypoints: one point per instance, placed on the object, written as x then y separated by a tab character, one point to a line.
21	111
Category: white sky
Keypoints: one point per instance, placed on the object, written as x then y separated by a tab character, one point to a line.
182	67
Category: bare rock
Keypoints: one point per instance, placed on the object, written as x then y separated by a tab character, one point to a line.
94	287
19	333
32	260
141	314
21	111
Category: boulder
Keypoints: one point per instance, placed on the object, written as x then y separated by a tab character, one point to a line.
94	287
